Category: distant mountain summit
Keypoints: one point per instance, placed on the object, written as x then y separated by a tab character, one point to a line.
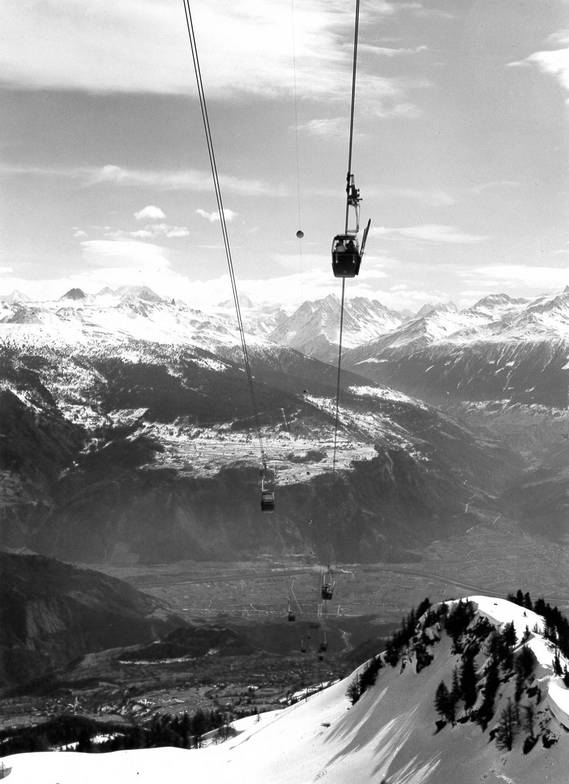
314	327
139	292
15	297
75	294
438	307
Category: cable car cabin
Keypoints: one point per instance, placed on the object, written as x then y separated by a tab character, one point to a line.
267	501
327	591
346	256
291	616
323	647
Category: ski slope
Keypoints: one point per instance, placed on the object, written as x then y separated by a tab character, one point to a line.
389	734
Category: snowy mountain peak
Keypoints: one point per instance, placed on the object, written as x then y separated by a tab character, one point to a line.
74	294
437	307
143	293
498	299
15	297
314	327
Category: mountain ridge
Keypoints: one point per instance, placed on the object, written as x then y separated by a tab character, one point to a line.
390	732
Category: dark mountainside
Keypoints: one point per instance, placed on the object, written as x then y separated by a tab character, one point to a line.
498	349
529	372
114	484
51	613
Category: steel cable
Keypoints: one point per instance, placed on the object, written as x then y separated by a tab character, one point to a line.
223	223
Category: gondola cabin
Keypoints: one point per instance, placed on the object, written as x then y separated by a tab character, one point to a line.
327	591
346	256
267	501
291	616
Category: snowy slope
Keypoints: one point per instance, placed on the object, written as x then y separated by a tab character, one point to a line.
388	735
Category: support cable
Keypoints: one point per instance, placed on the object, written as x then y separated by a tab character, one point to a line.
337	416
353	104
296	142
223	223
350	146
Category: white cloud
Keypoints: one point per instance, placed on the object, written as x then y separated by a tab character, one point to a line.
175	180
288	290
494	185
150	213
213	217
537	279
432	198
152	231
390	109
158	179
430	232
552	61
330	127
125	255
141	46
387	51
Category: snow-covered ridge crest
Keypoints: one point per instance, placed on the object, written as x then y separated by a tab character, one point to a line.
388	735
113	318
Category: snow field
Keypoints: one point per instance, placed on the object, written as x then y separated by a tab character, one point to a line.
389	733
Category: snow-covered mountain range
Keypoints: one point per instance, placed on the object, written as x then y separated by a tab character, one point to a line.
138	312
154	390
112	317
163	437
505	718
314	327
498	350
115	397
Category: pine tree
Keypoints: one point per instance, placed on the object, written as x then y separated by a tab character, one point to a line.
509	634
508	727
491	685
444	702
529	719
354	691
468	680
526	635
525	662
455	687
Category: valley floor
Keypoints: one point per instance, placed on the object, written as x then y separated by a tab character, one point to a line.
495	557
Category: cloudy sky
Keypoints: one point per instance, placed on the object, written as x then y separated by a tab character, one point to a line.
461	150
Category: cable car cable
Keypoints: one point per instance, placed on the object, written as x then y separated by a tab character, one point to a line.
353	103
299	233
350	147
337	415
224	231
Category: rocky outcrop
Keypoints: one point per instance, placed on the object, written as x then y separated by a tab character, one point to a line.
51	613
